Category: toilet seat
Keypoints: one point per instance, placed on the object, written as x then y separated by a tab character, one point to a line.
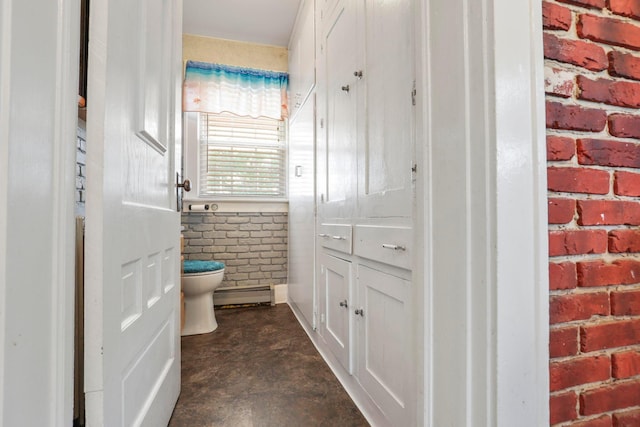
193	266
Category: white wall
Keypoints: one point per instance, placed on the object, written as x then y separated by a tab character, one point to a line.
38	95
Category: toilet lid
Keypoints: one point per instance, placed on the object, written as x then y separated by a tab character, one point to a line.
197	266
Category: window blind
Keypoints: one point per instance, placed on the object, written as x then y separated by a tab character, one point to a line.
242	156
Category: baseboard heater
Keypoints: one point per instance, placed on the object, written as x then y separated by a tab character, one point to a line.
250	294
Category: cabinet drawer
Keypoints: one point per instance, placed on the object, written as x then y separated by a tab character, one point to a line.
390	245
336	236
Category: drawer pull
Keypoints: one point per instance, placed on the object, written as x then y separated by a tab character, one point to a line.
338	238
394	247
323	235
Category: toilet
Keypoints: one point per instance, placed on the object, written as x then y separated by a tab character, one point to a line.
199	280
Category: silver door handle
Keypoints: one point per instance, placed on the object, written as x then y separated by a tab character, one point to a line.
323	235
338	238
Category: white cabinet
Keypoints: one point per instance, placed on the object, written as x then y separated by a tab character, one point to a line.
364	127
302	211
384	364
302	74
366	317
367	150
335	290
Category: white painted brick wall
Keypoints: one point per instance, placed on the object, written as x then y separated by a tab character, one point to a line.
253	246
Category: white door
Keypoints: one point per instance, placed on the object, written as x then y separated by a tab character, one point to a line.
132	278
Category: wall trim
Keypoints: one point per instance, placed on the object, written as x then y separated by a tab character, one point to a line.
5	90
484	188
523	277
63	213
37	153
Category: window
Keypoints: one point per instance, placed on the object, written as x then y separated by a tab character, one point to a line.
241	157
235	135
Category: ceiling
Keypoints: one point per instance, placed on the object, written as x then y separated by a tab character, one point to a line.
253	21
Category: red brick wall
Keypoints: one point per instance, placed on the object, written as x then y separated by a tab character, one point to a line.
592	80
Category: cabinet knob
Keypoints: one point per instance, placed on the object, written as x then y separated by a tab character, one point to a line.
358	74
343	304
359	312
345	88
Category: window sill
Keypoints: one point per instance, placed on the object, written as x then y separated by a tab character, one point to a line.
254	205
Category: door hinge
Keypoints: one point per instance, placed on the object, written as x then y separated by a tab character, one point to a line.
414	92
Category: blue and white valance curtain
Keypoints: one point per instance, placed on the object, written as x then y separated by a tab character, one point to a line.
215	88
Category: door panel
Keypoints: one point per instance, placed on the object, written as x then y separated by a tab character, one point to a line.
132	263
340	47
336	287
384	364
385	157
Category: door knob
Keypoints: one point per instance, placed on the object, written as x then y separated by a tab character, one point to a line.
186	184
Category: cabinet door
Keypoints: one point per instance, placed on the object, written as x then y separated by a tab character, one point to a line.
302	75
335	291
302	211
338	186
384	364
386	149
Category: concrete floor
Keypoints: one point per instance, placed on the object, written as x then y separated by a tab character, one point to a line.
258	369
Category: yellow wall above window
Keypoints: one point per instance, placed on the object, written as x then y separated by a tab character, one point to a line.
239	54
